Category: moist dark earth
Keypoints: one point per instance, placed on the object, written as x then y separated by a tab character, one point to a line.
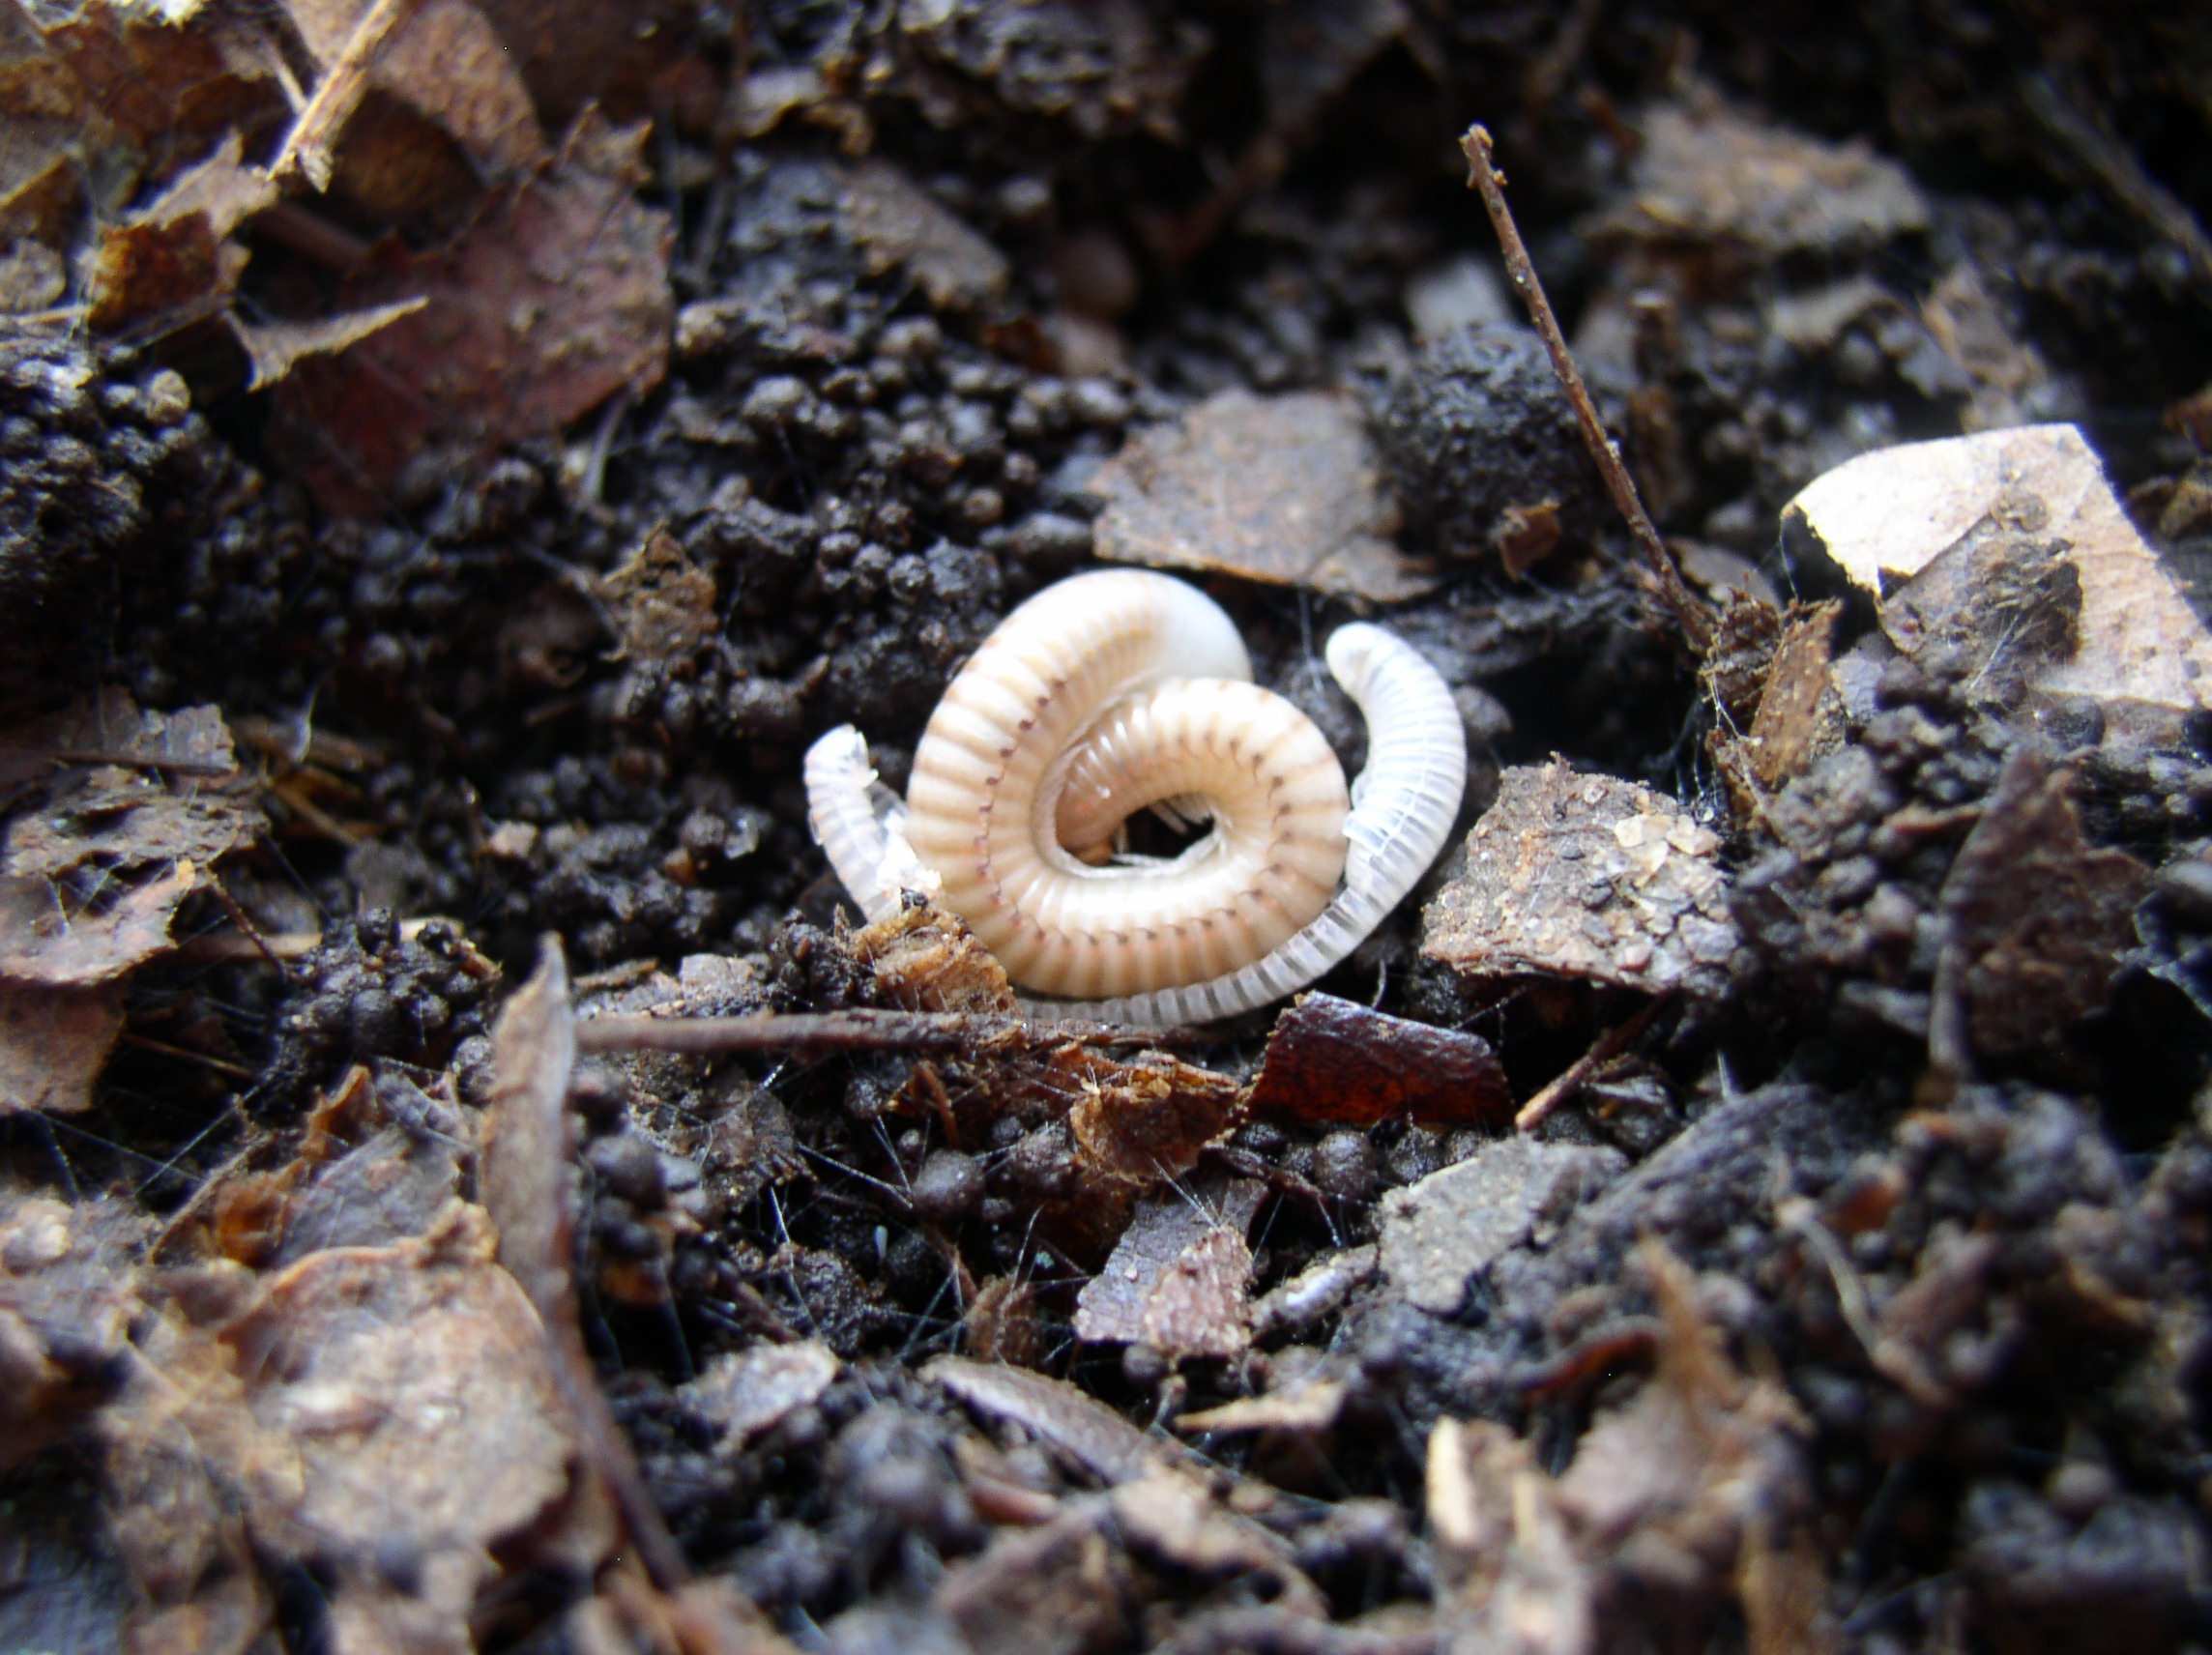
1815	1335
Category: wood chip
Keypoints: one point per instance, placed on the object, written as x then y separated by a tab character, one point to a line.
1336	1061
1590	878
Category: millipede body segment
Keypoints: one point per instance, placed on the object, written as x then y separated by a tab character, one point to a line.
1120	691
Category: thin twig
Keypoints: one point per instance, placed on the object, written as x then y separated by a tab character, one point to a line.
306	147
855	1030
243	920
1569	1081
1689	614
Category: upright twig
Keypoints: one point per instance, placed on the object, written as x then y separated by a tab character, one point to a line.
1481	175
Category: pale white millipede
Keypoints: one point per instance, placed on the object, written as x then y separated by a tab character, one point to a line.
1122	690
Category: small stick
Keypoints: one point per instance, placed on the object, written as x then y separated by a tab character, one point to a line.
856	1031
1569	1081
306	147
1689	614
241	920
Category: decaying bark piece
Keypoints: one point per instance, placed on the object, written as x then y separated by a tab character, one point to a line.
1587	877
1336	1061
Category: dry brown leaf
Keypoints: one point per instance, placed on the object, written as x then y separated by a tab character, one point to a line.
2143	658
553	299
411	1383
1146	1117
1796	711
1336	1061
1069	1421
95	872
530	1191
1587	877
1710	180
448	65
274	349
54	1044
1180	1277
1283	490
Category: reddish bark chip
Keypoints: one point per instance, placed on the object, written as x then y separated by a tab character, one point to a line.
1331	1060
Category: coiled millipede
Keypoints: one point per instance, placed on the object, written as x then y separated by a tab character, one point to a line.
1122	690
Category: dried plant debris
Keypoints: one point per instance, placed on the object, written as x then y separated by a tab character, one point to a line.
133	811
1773	684
1336	1061
1724	189
1282	489
1064	1417
1586	876
1441	1233
1181	1275
1146	1117
446	83
96	97
554	297
662	603
68	1294
1687	1488
744	1394
2013	545
175	259
365	1405
54	1044
2035	917
381	1158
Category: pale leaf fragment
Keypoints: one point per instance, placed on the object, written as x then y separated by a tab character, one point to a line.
2143	658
